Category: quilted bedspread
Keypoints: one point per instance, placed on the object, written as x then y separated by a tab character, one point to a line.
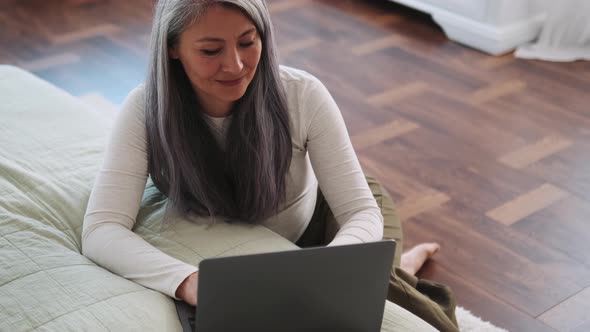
51	148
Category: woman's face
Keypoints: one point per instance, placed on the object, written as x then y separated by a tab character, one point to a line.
220	54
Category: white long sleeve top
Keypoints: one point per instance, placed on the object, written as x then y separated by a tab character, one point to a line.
322	153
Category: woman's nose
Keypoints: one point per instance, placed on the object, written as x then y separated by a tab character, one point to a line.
232	62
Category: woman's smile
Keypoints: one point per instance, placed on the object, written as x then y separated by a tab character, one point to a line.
230	83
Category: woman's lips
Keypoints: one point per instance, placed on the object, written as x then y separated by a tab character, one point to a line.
231	82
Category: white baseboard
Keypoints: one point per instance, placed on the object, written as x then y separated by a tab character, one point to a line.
491	39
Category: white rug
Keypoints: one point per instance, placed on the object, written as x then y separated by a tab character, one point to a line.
470	323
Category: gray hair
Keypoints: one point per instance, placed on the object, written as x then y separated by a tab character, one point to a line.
247	180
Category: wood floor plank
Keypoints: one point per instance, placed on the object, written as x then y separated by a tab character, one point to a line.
398	93
571	314
80	35
436	72
376	45
398	185
298	45
563	227
520	113
491	63
481	303
476	249
530	154
383	133
527	204
461	171
386	13
497	90
384	20
277	7
568	169
415	205
444	114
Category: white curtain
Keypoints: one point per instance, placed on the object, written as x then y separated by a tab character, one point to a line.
565	36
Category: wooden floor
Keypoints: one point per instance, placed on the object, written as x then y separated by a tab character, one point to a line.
490	156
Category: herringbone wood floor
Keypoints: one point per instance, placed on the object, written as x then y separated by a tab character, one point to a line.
490	156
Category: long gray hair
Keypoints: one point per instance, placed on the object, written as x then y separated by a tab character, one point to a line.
246	181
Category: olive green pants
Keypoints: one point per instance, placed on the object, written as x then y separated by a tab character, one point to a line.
434	303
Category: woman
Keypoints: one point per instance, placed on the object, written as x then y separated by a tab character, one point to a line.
222	130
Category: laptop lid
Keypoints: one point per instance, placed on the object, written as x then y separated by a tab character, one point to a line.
341	288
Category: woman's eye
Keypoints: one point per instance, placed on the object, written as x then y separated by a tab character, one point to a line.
210	52
217	51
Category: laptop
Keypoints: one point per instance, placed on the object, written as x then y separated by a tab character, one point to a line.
340	288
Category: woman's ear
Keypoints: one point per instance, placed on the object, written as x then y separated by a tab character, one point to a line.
173	53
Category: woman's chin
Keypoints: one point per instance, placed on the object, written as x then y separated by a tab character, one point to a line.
232	96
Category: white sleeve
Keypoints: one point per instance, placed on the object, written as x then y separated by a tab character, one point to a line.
107	238
338	170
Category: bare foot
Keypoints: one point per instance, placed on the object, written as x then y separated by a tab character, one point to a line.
413	259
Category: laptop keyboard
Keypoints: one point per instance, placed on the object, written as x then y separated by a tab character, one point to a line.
186	315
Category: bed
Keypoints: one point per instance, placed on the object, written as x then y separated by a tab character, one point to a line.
51	147
492	26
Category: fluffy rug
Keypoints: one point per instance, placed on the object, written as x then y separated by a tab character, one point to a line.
471	323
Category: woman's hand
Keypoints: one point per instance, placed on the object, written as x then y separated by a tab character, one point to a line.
187	291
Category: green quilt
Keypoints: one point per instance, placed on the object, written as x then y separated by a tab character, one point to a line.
51	148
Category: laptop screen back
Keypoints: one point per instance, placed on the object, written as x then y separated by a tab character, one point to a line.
341	288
